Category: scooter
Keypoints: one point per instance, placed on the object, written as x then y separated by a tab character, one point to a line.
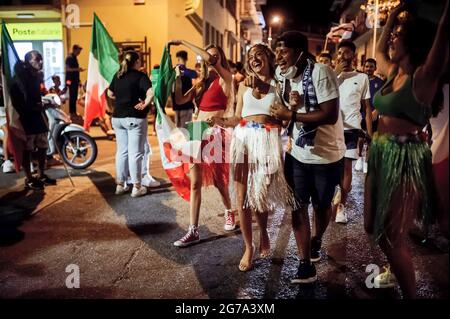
78	149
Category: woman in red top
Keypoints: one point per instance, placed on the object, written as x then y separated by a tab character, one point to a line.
213	95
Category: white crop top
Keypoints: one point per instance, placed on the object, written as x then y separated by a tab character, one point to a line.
253	106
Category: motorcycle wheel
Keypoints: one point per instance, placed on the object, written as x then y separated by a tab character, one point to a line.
78	150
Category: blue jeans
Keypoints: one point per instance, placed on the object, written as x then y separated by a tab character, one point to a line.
131	136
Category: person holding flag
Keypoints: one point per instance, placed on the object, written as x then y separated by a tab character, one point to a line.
213	95
26	99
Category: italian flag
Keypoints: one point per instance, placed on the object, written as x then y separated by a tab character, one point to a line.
16	136
103	64
177	151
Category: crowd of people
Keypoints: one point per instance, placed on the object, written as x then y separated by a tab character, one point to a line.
334	115
331	115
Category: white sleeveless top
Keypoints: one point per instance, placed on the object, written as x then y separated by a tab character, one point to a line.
253	106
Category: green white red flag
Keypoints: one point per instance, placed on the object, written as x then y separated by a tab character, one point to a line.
16	134
103	64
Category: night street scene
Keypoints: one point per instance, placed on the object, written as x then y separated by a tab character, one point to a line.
230	158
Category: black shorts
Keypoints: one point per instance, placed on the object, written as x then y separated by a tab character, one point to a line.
351	142
313	182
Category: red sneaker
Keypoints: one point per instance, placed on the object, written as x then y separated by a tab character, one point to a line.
230	220
190	238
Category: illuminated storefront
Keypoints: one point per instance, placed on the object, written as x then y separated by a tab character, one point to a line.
45	37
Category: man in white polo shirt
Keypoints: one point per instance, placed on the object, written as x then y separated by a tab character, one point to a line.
354	93
313	163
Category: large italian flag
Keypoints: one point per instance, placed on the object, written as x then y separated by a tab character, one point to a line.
103	64
177	150
16	136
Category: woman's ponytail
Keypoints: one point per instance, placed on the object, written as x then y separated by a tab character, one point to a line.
128	61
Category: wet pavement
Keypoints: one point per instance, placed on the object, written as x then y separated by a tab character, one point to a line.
123	246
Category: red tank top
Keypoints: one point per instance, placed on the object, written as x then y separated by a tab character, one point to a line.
214	99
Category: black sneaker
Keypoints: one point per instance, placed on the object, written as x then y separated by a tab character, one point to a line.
34	183
316	243
306	273
47	180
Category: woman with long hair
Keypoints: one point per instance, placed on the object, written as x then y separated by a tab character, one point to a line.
131	93
256	151
213	95
399	186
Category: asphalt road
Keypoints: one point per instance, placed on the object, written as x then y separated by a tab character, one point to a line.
123	246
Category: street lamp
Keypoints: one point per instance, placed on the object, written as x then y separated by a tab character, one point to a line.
275	20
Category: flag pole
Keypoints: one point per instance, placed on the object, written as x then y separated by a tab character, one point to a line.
59	153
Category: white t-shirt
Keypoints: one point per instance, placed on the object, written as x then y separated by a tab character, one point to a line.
353	88
439	127
329	146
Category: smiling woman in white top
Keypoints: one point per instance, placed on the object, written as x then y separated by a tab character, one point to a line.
256	152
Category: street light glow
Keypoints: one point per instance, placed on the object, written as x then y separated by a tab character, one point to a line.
276	19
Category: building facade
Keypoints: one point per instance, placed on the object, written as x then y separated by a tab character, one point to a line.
146	25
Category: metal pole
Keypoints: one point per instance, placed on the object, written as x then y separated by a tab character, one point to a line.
375	22
57	149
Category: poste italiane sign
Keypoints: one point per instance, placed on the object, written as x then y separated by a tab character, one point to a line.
35	31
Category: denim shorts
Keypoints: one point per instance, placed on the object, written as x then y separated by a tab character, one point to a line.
313	182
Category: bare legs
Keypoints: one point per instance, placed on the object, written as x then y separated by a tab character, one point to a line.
26	161
196	194
393	242
346	183
302	232
245	216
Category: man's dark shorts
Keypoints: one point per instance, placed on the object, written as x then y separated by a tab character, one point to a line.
351	142
313	182
36	141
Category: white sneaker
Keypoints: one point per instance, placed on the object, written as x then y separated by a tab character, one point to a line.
8	167
359	164
149	181
365	168
341	216
337	196
122	189
385	279
137	192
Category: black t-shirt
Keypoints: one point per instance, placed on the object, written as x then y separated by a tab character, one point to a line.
186	85
26	99
72	62
127	90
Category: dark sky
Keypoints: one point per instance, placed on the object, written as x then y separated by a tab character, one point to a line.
298	14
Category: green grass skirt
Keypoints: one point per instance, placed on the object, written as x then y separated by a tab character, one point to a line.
400	166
